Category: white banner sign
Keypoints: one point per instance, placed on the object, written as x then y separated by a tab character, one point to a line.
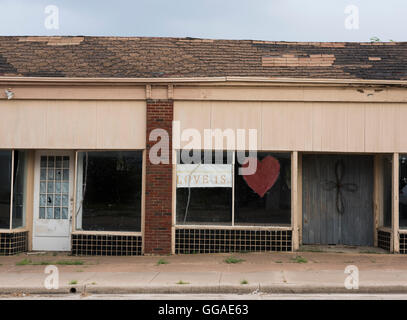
204	175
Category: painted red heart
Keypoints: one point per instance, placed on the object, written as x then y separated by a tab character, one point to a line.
265	176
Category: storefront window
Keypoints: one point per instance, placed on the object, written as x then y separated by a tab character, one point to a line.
387	166
264	197
5	188
204	188
19	184
109	191
15	185
403	191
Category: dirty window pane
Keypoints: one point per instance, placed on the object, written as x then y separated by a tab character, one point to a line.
205	205
19	189
109	191
5	188
264	197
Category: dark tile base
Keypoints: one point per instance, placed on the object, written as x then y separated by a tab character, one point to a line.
13	243
383	240
106	245
227	240
403	243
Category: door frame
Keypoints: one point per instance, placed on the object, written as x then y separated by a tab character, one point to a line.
37	242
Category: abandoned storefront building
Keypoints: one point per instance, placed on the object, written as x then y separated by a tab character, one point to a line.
82	118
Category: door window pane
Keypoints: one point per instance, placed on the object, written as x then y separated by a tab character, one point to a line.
109	191
51	204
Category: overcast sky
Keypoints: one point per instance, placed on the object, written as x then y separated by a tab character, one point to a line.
286	20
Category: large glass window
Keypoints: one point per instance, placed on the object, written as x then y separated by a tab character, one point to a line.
206	190
109	190
19	185
387	168
5	188
403	191
12	179
264	197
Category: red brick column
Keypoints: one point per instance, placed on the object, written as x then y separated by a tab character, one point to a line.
158	184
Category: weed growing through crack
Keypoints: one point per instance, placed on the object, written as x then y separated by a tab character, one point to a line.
162	261
244	282
299	259
182	282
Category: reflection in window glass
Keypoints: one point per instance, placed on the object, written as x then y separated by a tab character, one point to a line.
109	191
5	188
265	197
197	203
19	189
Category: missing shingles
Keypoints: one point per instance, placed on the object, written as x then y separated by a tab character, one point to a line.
54	41
375	58
293	60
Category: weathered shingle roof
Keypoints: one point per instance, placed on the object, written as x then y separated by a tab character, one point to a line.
117	57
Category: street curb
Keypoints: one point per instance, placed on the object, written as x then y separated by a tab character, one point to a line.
190	289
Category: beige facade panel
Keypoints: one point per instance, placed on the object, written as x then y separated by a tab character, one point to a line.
351	93
77	92
59	124
304	126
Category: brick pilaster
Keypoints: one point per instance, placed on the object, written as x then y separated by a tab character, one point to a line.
158	194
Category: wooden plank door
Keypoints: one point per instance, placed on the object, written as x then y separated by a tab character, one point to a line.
323	222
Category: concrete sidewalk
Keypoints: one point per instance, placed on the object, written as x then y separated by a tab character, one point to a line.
300	272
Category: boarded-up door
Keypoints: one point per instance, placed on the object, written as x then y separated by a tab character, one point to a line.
322	221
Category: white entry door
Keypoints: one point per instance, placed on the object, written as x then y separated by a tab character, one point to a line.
53	200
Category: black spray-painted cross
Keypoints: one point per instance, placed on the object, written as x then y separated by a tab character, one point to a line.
339	186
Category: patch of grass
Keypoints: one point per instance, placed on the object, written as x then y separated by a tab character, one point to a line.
311	249
55	254
70	262
23	262
26	262
72	282
278	261
182	282
244	282
80	270
233	260
93	283
162	261
370	252
299	259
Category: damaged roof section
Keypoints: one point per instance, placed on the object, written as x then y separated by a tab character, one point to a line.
145	57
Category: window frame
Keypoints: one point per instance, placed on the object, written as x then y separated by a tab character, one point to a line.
239	226
74	229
